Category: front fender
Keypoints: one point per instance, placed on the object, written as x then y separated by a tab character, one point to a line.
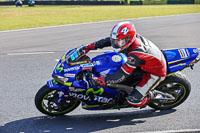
55	85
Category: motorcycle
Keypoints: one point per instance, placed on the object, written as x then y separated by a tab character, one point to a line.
72	83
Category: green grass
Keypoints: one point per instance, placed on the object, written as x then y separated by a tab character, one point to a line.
39	16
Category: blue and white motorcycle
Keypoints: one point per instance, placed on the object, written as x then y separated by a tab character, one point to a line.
72	83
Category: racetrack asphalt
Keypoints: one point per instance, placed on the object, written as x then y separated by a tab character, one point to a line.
27	59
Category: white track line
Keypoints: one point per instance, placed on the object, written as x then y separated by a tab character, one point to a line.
33	53
174	131
105	51
98	22
37	53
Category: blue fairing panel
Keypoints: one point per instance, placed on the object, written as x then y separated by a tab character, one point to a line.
55	85
177	59
109	62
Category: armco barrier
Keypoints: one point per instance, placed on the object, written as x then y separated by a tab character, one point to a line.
136	2
154	2
180	1
132	2
69	3
163	2
7	3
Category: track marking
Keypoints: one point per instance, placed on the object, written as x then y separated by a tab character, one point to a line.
57	60
174	131
93	51
101	51
37	53
33	53
98	22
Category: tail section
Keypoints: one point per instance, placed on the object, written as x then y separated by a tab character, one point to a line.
178	59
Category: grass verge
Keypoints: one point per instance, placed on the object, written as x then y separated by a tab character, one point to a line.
28	17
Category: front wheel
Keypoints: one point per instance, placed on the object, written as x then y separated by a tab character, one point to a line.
170	93
45	102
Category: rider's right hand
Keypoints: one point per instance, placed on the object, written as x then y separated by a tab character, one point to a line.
100	81
89	47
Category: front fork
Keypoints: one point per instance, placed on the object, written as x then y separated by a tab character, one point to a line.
59	88
63	90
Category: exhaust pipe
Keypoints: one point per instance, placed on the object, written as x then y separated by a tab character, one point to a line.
120	87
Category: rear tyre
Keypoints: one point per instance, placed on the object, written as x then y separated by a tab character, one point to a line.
176	85
45	102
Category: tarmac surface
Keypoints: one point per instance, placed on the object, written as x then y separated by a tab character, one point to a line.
27	59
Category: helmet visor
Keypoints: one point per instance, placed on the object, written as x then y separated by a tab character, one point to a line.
117	43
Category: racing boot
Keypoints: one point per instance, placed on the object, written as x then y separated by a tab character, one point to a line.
136	99
140	97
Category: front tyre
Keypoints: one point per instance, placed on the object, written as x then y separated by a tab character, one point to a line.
174	90
45	102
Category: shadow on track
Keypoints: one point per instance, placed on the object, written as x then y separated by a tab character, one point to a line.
80	123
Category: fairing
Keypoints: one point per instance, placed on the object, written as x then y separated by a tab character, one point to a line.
108	63
177	59
104	64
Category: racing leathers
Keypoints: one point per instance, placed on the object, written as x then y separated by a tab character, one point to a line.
141	53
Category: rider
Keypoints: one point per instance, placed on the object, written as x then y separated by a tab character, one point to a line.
141	53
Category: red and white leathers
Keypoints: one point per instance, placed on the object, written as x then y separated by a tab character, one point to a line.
153	62
141	53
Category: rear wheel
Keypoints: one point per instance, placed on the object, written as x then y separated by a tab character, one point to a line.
45	101
170	93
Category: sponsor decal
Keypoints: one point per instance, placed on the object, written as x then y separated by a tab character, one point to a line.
52	83
77	63
86	68
181	64
100	91
87	65
72	69
116	81
79	96
69	75
71	88
195	50
116	58
55	82
59	68
87	98
183	53
104	73
76	89
97	63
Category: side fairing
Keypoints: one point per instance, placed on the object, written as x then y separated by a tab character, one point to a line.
177	59
108	63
